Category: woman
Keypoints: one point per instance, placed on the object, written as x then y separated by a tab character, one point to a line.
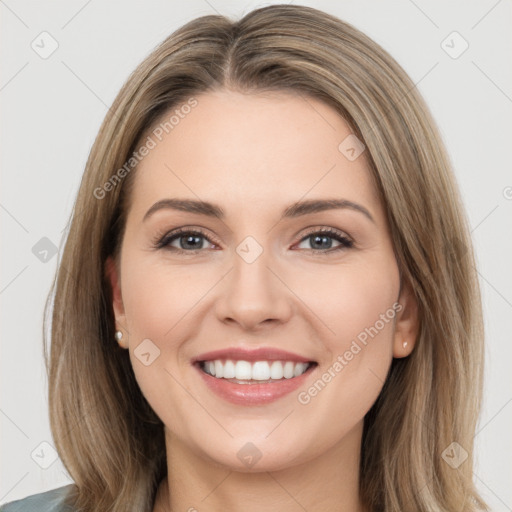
267	298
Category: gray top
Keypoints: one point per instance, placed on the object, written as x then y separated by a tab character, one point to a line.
49	501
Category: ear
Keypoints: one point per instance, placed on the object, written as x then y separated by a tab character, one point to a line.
112	275
407	322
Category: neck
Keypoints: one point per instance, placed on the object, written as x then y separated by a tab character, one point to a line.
330	482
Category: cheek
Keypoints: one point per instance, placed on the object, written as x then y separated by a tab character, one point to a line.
156	301
360	308
350	300
157	296
159	300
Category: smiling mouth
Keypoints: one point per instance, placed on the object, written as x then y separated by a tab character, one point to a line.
256	372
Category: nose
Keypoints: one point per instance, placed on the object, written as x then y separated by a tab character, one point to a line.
254	295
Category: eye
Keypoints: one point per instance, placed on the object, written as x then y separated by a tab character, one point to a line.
188	240
321	240
191	241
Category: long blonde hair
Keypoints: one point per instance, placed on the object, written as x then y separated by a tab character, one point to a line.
107	435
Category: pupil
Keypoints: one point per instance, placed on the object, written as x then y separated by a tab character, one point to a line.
191	237
322	238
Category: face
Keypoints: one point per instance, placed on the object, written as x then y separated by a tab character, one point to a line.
264	332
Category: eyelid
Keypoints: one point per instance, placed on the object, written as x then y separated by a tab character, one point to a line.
327	230
162	239
163	235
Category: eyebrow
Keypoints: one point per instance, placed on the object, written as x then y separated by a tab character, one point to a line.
297	209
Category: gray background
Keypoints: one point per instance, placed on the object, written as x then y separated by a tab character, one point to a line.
52	108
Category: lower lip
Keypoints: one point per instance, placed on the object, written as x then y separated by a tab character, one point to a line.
253	394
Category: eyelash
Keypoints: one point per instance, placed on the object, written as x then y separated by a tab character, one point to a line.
162	242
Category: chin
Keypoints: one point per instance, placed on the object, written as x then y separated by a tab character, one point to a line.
256	457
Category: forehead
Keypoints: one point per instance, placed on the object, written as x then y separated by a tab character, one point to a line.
251	150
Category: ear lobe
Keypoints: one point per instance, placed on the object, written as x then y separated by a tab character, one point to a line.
407	322
112	275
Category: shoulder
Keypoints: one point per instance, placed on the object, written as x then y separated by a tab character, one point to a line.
49	501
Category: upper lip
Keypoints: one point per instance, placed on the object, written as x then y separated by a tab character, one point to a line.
256	354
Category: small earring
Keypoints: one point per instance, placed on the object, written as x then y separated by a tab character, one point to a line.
118	336
404	344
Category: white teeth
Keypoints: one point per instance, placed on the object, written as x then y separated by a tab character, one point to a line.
259	370
288	370
276	370
229	370
219	369
243	370
300	368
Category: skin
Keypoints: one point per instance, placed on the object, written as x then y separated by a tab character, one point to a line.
255	155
